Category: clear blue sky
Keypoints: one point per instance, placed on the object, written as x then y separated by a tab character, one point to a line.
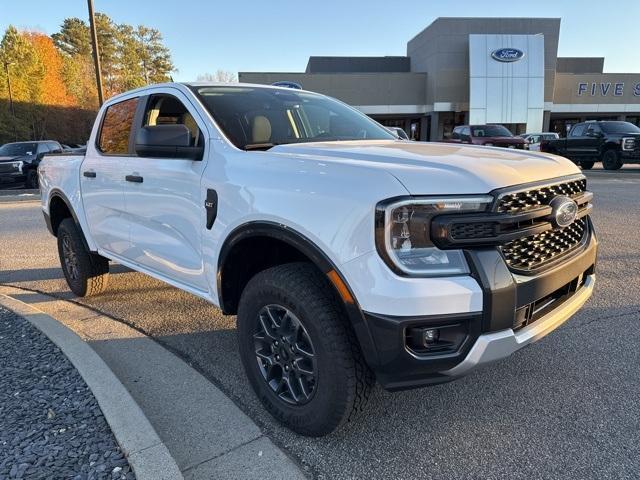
263	35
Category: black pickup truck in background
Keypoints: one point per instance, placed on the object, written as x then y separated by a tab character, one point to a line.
611	142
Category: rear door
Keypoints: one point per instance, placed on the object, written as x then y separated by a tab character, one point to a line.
102	178
165	205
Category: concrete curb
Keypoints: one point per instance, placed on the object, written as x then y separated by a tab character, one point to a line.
147	454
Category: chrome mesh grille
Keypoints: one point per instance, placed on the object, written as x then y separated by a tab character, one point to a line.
529	199
529	253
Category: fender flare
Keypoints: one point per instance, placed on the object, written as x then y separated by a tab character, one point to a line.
57	193
302	243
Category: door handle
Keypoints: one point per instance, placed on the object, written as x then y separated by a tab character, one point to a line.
134	178
89	174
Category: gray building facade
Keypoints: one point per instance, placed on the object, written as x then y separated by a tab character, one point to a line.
474	70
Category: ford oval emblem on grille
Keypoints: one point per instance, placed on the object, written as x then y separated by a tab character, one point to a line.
507	54
564	211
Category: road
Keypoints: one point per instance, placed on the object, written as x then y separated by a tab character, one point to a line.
565	407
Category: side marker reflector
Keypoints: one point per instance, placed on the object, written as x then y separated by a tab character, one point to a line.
340	286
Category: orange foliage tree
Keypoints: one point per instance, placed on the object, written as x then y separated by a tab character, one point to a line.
53	90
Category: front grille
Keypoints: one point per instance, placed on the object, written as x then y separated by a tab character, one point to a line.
8	168
522	224
469	231
530	199
532	252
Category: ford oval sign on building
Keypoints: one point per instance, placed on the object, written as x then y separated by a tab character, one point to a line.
507	54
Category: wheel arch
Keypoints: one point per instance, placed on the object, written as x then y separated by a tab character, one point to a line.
60	208
281	244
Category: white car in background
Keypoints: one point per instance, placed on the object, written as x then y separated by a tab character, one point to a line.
533	139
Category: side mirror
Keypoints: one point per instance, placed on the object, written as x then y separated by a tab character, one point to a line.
167	141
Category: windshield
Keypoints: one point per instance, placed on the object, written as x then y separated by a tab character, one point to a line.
619	127
490	131
17	149
259	118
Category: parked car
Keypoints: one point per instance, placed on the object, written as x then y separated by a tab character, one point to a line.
346	255
533	139
487	135
611	142
19	161
398	132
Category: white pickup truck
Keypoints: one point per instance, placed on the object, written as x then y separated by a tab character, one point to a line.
348	256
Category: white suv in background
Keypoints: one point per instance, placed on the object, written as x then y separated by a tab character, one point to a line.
347	255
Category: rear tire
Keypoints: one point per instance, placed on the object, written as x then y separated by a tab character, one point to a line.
611	160
586	165
86	273
330	382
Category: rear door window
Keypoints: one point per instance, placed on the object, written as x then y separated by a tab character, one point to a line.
116	127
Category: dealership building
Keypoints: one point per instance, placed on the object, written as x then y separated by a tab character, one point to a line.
474	70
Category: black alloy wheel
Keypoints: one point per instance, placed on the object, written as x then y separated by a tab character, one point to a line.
285	354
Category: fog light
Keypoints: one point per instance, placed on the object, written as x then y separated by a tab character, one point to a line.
431	335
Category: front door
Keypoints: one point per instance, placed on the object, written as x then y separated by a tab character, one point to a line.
102	178
165	205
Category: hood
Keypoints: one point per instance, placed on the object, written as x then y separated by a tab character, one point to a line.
439	168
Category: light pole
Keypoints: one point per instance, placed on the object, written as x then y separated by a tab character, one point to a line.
13	111
96	56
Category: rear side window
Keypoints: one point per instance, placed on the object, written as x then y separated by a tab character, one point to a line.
116	127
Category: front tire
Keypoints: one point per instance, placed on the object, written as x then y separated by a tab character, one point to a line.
298	351
86	273
611	160
586	165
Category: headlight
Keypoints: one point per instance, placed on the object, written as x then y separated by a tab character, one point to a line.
628	143
403	239
18	165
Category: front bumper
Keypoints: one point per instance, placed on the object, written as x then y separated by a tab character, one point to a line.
490	347
495	332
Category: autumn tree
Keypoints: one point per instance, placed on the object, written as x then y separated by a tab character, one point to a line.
130	56
52	90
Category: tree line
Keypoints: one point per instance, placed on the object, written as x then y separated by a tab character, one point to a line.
53	76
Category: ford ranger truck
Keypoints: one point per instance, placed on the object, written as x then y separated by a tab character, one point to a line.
349	257
611	142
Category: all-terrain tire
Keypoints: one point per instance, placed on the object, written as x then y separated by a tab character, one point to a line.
343	381
86	273
611	160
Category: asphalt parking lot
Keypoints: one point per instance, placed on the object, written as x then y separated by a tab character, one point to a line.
566	407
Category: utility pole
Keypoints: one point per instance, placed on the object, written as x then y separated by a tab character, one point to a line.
13	111
96	55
